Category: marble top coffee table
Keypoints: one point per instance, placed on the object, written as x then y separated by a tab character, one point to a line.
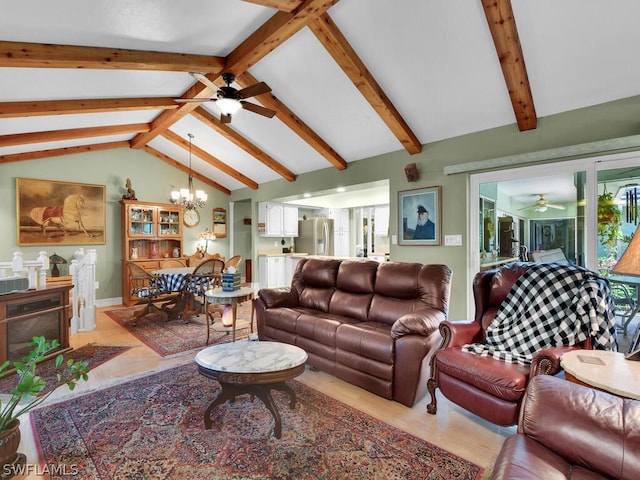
252	367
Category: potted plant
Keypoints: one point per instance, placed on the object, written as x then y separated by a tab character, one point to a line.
609	221
25	395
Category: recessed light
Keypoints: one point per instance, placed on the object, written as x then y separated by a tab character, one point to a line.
340	189
306	195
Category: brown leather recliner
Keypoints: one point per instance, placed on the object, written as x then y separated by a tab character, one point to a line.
488	387
569	431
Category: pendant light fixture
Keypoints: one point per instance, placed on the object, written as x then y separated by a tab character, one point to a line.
186	196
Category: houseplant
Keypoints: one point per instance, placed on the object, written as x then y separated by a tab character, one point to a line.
609	221
25	395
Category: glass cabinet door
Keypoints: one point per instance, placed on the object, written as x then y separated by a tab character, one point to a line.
169	223
141	221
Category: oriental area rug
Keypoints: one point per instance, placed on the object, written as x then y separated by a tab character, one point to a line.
152	427
93	354
174	337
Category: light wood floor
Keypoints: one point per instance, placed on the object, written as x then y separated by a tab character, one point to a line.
452	428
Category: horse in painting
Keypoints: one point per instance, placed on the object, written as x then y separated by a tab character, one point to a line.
61	216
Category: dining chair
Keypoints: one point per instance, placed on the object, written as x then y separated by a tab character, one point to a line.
207	275
233	262
148	288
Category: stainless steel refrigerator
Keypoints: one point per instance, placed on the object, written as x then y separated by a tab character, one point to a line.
315	236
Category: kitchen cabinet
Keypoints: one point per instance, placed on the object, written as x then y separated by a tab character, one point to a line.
381	220
290	263
277	220
272	271
151	233
341	224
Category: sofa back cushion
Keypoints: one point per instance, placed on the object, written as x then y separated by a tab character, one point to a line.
314	282
355	284
594	429
402	288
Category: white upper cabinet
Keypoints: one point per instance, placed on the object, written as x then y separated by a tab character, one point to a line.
277	220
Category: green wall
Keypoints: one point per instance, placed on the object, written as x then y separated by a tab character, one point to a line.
152	180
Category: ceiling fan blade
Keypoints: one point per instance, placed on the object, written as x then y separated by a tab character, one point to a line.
225	118
558	207
257	89
252	107
202	78
528	206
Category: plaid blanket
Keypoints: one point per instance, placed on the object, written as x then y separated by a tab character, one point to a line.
550	305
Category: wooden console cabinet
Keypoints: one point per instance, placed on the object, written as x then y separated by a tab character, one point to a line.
33	313
153	231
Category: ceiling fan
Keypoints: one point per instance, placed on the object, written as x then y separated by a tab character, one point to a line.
542	204
230	100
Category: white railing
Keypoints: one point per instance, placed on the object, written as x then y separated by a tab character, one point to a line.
34	270
83	275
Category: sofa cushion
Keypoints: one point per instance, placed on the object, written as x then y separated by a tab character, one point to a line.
398	280
500	379
320	327
367	339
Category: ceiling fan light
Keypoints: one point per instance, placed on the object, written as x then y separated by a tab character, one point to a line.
228	106
541	209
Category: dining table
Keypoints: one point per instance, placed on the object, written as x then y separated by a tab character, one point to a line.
184	305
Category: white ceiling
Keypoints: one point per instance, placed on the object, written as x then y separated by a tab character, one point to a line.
434	59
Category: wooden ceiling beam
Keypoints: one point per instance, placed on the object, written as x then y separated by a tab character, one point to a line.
346	57
57	152
241	142
71	134
504	32
291	120
273	33
64	107
210	159
42	55
180	166
265	39
283	5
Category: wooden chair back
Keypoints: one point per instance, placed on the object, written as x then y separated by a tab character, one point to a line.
233	262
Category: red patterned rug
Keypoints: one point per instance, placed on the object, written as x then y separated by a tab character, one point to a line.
152	427
94	354
173	337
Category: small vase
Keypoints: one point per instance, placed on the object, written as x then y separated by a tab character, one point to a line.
154	250
134	253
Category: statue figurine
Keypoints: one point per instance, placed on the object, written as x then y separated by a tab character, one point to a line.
131	193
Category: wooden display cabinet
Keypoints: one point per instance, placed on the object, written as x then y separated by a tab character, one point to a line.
150	234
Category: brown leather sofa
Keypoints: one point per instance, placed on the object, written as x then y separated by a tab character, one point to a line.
372	324
568	431
490	388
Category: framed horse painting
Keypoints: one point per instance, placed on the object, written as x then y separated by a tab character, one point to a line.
50	212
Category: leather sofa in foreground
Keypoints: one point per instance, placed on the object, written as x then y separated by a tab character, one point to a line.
568	431
372	324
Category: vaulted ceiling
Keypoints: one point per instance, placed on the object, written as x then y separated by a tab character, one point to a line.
349	79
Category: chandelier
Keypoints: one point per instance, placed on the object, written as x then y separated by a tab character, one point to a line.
186	196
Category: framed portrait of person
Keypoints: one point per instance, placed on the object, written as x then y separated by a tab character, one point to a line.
420	216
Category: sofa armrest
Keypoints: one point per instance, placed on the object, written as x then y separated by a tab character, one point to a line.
458	333
421	322
547	361
278	297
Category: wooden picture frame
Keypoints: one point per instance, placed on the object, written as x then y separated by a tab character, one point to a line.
50	212
220	222
415	207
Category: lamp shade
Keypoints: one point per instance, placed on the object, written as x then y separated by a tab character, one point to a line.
228	106
629	262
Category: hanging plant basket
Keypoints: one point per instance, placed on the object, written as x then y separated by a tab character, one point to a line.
609	219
